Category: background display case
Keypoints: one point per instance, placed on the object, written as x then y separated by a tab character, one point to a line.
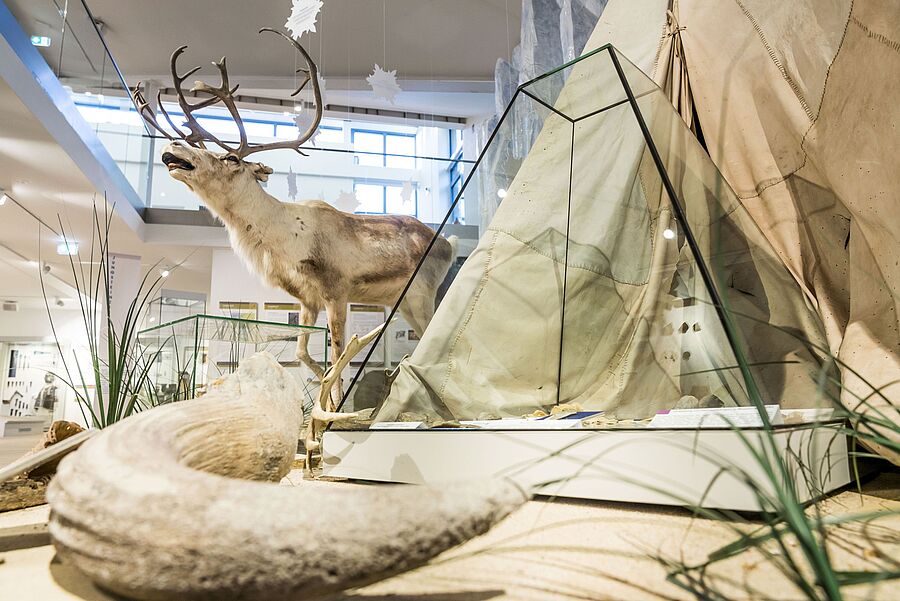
189	353
172	307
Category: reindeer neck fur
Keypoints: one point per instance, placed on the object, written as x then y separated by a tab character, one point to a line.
256	222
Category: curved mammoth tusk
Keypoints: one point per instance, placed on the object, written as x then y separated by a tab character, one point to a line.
152	507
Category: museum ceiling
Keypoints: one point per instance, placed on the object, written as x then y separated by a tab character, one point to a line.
451	74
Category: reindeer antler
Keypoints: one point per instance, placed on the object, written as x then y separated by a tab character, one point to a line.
146	111
221	93
224	93
311	75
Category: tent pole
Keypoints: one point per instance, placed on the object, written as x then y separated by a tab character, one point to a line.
705	272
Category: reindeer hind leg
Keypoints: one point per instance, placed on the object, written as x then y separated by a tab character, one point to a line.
337	322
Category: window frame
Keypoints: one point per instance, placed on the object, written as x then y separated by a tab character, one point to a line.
384	153
385	184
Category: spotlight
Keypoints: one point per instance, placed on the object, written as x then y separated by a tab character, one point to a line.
501	193
668	234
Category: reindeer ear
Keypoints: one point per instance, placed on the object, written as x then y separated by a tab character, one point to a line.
261	172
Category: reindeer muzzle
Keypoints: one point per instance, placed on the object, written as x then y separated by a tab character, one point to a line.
173	162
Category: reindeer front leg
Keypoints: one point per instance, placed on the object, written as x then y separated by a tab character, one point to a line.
308	317
337	323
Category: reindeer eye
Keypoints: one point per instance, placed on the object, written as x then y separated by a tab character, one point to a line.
232	159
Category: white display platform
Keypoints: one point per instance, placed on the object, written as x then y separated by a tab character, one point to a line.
22	425
669	467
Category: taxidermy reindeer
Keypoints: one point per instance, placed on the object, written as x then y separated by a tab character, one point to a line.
323	257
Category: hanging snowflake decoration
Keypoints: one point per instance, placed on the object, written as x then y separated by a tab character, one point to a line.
407	192
292	184
347	202
303	17
384	83
303	120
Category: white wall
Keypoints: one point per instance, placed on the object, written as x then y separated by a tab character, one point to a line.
30	324
232	281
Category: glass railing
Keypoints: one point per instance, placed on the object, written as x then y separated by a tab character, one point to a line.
70	40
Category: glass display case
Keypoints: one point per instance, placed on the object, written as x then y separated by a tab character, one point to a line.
187	354
171	307
620	277
622	331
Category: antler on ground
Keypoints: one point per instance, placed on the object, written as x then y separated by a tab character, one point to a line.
323	410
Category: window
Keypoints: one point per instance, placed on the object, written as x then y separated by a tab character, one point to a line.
13	363
400	145
385	198
330	135
370	143
457	171
384	149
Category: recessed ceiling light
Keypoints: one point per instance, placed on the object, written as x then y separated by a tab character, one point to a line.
67	248
3	198
501	192
668	234
164	273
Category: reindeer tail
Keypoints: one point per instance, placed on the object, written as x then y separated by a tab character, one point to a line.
454	244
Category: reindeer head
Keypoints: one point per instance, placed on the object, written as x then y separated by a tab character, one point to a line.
187	157
204	170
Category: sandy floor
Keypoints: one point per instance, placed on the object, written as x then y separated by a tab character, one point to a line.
546	551
13	447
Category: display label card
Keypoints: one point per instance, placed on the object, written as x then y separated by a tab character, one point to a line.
723	417
397	426
576	415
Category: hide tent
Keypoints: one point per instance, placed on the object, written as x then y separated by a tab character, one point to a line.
622	273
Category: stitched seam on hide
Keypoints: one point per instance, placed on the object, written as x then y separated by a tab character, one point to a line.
481	284
659	49
828	70
760	187
776	61
883	39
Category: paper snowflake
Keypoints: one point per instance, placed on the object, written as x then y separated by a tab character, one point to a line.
303	17
292	184
407	192
384	83
303	120
347	202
